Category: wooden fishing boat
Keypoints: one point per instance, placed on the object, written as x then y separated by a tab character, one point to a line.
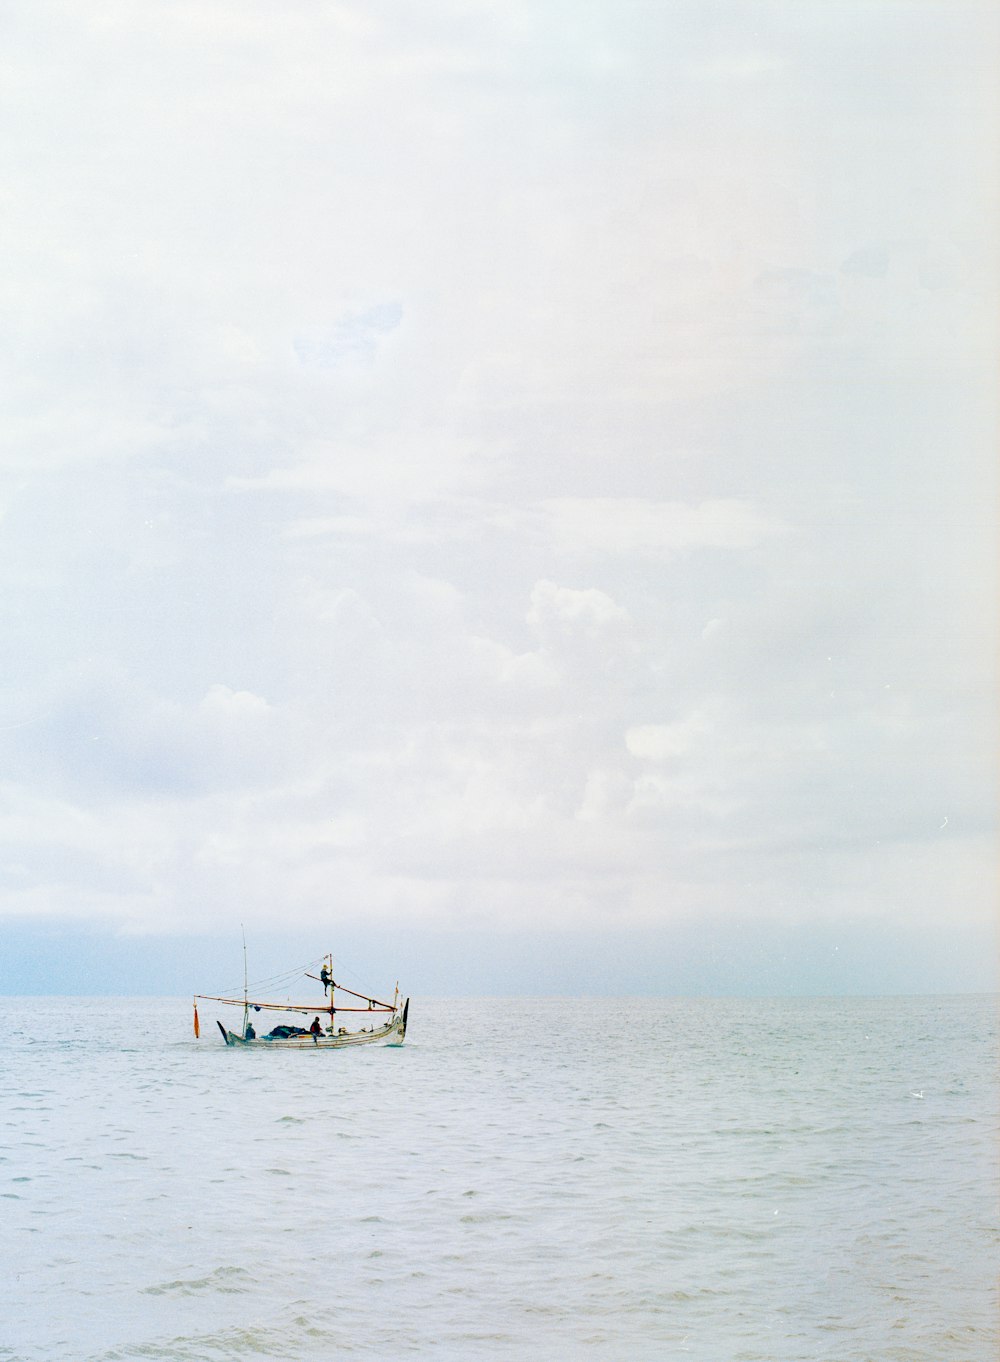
387	1025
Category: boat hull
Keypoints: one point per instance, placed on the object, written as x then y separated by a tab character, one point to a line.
393	1033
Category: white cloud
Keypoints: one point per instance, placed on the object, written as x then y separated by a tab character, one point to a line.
315	527
529	670
740	66
662	742
560	613
655	529
512	497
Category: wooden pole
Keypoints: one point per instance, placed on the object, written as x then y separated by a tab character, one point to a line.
246	1002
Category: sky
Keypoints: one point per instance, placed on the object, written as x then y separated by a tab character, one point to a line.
504	493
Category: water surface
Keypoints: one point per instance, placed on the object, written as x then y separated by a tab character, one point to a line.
732	1181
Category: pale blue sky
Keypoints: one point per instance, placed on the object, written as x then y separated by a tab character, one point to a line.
518	474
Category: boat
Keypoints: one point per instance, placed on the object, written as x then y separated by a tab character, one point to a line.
387	1025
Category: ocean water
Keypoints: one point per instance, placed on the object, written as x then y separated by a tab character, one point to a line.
727	1180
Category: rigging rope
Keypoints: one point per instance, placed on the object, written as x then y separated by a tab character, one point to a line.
275	981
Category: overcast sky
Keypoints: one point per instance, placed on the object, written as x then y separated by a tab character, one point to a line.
513	480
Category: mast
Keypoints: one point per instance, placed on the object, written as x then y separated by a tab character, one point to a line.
246	1002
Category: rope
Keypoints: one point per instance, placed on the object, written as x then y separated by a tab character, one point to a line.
275	982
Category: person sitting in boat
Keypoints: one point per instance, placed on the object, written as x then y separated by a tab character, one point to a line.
249	1033
316	1029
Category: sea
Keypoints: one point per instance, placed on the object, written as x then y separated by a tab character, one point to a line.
727	1180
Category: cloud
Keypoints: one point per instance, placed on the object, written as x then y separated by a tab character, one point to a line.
354	338
99	735
662	742
560	613
872	261
743	66
549	495
655	529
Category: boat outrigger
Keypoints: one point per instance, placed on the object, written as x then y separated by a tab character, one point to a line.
320	1035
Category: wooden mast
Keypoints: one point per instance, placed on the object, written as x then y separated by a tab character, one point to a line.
246	990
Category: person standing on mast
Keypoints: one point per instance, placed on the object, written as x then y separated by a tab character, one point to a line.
326	978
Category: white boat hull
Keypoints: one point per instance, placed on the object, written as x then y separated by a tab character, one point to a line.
392	1033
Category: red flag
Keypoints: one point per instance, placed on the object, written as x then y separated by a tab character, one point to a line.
197	1033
